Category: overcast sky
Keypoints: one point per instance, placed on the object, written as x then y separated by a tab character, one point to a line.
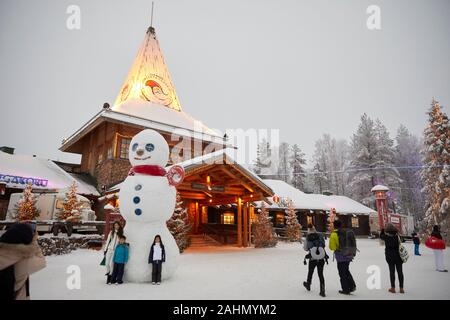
305	67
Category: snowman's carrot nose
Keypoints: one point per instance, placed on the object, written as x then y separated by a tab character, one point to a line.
140	152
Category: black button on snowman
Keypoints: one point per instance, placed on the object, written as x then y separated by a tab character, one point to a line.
147	200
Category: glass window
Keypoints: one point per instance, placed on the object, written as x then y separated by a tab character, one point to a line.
228	218
124	146
59	204
355	222
279	219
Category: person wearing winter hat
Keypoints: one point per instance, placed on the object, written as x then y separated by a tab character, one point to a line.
20	256
392	244
438	252
315	245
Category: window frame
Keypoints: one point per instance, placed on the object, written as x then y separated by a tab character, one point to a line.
122	145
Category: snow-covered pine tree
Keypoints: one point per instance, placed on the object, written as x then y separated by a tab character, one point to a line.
263	158
363	160
331	157
283	162
320	165
386	172
320	179
26	209
263	229
372	160
408	159
179	225
293	228
436	174
297	162
71	207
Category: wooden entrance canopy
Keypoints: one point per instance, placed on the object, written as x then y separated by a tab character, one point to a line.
217	179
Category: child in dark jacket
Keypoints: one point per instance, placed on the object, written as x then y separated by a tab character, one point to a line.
156	258
416	241
392	243
120	259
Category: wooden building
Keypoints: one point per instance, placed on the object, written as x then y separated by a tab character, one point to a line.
316	208
213	179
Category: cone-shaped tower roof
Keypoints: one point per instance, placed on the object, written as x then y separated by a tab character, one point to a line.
148	80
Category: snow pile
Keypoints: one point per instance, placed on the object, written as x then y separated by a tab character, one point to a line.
245	273
59	245
32	167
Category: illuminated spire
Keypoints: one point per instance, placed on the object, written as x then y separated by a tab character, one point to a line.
148	79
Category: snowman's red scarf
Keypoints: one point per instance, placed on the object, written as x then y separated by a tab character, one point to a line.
150	170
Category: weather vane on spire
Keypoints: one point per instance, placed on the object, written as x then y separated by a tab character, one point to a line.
151	20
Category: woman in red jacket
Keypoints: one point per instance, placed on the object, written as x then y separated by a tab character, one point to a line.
437	244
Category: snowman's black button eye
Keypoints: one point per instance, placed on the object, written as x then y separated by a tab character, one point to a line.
138	187
149	147
134	147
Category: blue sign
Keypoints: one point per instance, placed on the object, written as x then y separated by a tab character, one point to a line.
23	180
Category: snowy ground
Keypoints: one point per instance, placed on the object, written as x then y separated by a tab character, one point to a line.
233	273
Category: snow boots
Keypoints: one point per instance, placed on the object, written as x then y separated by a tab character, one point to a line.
392	290
108	279
307	285
322	290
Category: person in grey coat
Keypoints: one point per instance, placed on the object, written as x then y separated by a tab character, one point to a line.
315	245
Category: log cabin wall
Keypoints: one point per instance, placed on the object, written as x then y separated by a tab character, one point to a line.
105	152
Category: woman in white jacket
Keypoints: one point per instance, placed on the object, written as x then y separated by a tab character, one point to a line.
111	242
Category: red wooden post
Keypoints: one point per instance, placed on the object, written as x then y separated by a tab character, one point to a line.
381	204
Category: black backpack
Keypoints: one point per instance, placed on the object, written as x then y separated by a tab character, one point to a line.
347	243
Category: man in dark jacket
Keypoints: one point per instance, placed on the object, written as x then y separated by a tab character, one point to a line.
343	262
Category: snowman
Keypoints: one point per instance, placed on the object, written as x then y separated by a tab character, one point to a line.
147	201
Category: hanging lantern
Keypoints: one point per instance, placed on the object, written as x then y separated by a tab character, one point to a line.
276	199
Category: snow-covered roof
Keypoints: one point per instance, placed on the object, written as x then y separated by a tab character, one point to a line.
226	156
148	78
88	187
153	117
17	170
148	99
379	187
305	201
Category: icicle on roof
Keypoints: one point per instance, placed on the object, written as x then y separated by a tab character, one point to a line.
148	79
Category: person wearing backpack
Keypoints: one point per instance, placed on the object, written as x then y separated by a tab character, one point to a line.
392	252
343	244
315	245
